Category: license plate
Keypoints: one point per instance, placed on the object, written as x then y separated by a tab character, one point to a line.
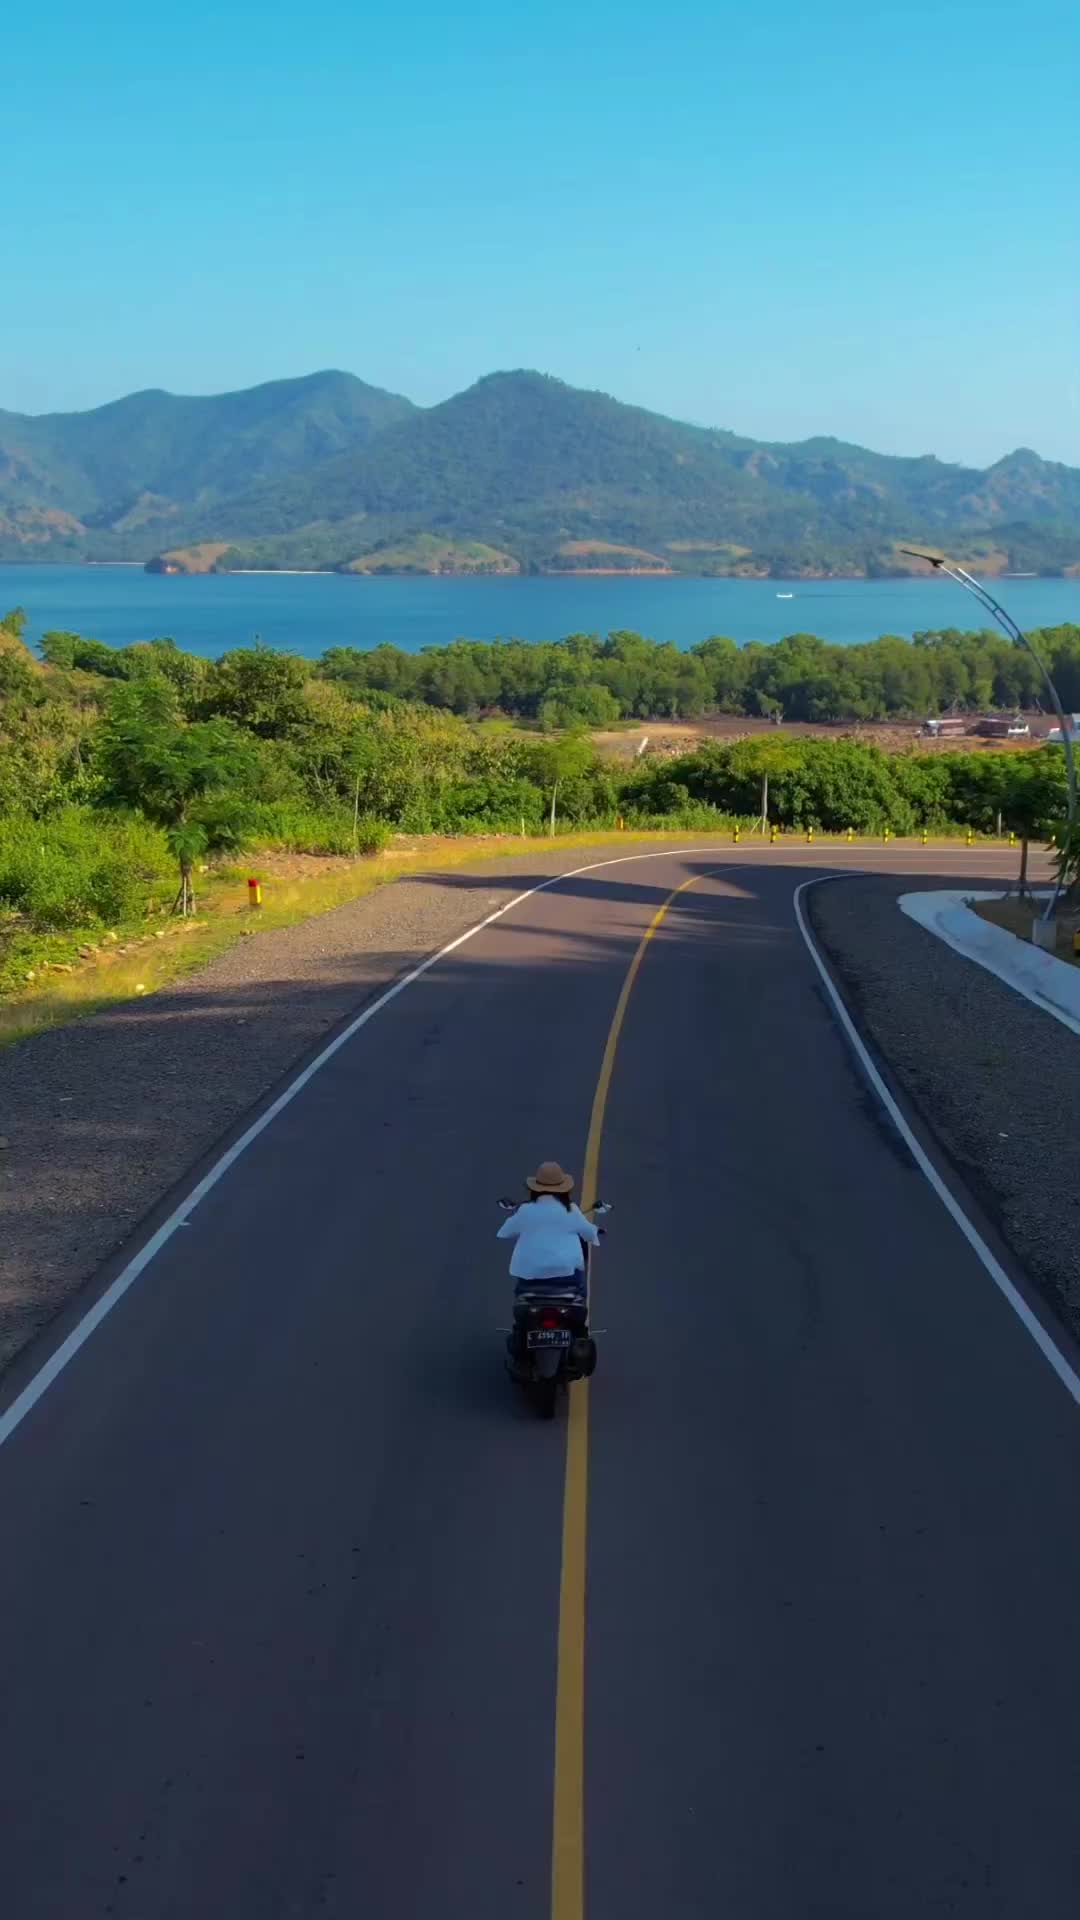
548	1337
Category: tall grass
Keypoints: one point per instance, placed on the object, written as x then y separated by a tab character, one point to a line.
80	868
283	827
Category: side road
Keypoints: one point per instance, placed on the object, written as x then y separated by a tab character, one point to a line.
103	1117
995	1077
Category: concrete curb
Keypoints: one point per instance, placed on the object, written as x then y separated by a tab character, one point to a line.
1048	983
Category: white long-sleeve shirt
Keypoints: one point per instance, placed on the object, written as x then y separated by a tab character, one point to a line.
548	1237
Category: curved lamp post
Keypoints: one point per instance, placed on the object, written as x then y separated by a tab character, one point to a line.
1008	624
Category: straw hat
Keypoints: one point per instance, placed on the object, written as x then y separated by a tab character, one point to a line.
550	1178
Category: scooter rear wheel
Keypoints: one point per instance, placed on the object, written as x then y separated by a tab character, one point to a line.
545	1395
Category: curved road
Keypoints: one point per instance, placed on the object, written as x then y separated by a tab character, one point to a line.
280	1587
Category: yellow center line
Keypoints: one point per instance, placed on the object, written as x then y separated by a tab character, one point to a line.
568	1819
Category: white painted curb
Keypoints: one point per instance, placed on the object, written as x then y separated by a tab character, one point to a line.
1044	1340
1047	982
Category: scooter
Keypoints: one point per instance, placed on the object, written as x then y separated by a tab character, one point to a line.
550	1345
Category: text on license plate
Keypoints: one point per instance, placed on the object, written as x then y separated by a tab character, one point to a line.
548	1337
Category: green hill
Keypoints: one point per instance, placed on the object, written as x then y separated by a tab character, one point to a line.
329	472
144	458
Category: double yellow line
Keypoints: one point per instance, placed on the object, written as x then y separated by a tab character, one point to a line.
568	1819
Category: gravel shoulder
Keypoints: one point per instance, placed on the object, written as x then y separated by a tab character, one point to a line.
104	1116
995	1078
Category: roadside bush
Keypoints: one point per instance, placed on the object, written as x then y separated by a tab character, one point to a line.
846	785
485	805
291	829
370	835
81	869
923	780
1027	789
821	783
693	816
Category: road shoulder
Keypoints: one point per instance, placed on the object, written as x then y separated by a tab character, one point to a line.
996	1079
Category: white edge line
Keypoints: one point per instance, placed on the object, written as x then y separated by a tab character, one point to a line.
1070	1380
180	1216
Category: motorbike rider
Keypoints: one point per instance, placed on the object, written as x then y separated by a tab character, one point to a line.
548	1230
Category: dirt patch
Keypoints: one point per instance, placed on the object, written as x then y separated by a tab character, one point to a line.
1016	917
682	736
201	558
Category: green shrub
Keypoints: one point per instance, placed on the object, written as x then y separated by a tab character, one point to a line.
488	804
292	829
829	784
690	816
371	835
80	868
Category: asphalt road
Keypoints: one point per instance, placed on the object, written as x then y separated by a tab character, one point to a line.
279	1585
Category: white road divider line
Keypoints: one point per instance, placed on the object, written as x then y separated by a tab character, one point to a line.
1066	1373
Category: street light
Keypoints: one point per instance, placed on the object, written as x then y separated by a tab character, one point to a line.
1006	621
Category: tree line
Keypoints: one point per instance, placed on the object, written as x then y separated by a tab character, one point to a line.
121	766
585	680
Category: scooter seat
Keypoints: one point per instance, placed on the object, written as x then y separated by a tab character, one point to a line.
538	1296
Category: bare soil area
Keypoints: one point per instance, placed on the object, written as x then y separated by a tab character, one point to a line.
681	736
1016	917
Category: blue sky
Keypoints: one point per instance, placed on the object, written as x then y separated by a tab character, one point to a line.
784	219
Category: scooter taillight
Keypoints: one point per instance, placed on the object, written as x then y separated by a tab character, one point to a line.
549	1320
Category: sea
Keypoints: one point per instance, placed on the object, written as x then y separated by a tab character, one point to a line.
307	613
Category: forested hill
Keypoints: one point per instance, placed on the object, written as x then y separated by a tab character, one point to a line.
115	480
518	472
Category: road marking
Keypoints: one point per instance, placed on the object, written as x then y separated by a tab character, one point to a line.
568	1809
1067	1374
103	1306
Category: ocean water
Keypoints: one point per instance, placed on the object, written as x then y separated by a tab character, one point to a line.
306	613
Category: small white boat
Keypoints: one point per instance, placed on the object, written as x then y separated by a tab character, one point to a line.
785	596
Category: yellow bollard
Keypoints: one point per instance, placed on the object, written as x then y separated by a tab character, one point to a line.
970	841
925	837
850	835
809	835
254	893
773	835
735	836
1012	839
888	836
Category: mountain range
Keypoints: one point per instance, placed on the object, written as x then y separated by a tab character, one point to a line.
518	473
